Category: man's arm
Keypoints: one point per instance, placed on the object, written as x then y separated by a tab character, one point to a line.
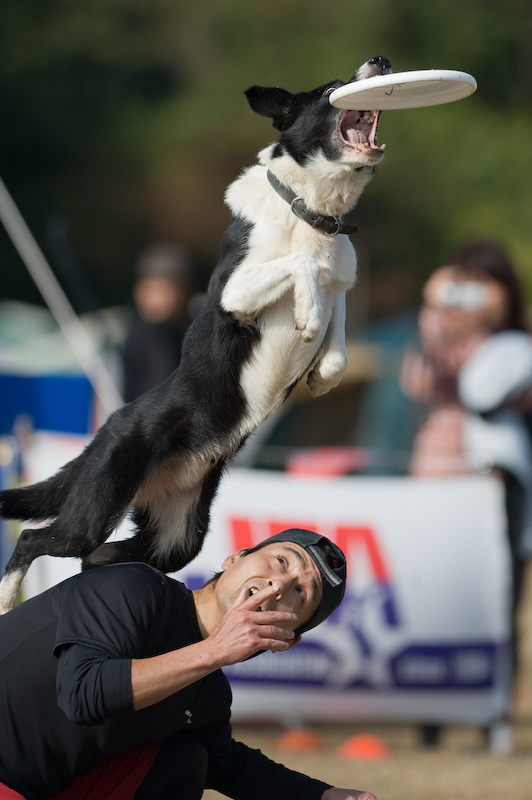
242	632
93	686
247	774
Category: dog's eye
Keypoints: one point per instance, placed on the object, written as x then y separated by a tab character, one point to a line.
330	90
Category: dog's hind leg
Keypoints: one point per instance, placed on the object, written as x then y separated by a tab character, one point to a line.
41	501
10	587
170	554
161	537
164	540
32	543
60	539
137	548
175	554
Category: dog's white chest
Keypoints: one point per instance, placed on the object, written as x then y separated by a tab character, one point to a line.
291	285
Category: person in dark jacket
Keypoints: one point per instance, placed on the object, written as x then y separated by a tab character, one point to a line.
111	684
162	290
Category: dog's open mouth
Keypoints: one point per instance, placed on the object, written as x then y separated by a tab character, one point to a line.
358	129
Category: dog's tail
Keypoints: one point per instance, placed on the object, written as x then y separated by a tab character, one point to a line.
41	501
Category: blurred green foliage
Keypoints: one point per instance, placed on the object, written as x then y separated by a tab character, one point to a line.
128	119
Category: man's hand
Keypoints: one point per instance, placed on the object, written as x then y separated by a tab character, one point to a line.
346	794
246	630
243	631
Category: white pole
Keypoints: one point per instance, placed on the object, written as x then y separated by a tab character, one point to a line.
65	316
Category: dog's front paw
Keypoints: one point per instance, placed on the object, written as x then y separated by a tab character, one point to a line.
308	329
327	374
308	315
308	298
244	317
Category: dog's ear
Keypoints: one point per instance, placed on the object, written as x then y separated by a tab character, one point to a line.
272	102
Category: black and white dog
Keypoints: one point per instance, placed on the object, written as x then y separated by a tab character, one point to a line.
275	310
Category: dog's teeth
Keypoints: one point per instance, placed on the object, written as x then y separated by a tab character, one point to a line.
382	146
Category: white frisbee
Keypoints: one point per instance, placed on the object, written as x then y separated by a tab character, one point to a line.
415	89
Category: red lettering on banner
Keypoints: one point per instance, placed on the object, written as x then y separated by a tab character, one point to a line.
349	536
276	527
249	532
241	531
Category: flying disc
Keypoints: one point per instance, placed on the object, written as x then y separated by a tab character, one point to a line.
415	89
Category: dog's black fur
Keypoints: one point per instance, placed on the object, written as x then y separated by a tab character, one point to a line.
162	456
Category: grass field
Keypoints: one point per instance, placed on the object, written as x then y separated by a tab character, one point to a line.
460	767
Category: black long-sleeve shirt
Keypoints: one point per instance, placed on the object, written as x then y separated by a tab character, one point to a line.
65	687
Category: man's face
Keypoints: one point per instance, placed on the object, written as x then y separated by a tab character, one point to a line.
283	564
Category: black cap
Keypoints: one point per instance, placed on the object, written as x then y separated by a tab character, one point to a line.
332	569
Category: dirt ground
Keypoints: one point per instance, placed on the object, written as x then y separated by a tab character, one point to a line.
460	767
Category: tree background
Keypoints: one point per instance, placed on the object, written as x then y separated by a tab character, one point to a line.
125	120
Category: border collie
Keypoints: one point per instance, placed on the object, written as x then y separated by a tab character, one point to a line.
275	311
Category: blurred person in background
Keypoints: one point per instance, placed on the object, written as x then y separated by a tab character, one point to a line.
473	371
161	293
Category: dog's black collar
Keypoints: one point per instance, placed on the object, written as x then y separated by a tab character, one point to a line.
331	225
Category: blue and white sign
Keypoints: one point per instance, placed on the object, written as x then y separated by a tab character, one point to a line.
423	632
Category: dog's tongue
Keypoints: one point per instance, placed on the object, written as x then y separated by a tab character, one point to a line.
355	130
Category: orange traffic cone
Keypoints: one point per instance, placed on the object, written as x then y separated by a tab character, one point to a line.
299	740
363	746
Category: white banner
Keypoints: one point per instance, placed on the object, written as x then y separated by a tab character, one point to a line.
423	632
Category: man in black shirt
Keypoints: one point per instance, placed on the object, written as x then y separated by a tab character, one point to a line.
119	668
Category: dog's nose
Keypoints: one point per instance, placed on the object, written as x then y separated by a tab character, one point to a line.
378	65
381	63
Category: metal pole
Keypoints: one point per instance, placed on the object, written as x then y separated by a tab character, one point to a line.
65	316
